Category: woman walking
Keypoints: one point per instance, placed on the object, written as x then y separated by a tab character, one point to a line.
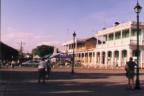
130	72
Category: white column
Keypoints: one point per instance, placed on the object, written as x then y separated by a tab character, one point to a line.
129	52
130	32
141	58
106	59
114	38
88	58
93	57
121	40
100	59
84	58
112	59
120	58
96	58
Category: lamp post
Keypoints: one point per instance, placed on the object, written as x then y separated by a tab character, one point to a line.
0	49
0	52
137	9
74	35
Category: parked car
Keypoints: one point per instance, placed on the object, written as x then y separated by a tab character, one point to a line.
30	63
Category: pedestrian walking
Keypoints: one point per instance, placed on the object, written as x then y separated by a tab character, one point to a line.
13	63
41	71
130	72
48	68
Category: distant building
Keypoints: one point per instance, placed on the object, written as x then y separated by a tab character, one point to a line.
112	46
7	52
84	49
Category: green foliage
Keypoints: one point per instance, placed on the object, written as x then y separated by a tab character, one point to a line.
43	50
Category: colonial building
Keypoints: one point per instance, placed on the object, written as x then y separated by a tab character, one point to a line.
84	50
112	46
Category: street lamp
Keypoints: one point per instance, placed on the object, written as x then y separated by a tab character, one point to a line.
137	9
74	35
0	52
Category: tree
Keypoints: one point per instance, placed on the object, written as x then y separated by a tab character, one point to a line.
43	50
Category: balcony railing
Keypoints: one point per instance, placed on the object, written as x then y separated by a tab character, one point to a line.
134	42
116	43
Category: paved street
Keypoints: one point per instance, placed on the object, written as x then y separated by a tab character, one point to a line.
92	82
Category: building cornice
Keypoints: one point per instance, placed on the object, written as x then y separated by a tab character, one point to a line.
116	28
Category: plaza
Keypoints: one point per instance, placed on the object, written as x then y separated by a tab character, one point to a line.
93	82
95	37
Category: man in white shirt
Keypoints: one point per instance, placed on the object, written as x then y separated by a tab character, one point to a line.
41	71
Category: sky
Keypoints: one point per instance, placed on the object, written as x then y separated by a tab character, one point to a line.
52	22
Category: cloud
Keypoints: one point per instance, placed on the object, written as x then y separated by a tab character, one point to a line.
29	40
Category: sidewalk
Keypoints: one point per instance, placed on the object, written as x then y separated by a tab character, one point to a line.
61	83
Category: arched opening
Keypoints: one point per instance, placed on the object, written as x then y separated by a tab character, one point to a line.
98	57
103	57
82	61
124	57
135	54
86	58
90	56
109	57
116	58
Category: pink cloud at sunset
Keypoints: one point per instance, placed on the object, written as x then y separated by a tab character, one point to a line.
29	40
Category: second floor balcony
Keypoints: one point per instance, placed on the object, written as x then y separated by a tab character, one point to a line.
120	43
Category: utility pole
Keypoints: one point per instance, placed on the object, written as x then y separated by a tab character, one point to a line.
21	53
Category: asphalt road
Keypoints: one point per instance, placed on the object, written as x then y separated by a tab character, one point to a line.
85	82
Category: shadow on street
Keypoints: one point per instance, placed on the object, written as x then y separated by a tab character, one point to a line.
24	83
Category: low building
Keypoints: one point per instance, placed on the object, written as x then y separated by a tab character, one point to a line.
84	50
7	53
